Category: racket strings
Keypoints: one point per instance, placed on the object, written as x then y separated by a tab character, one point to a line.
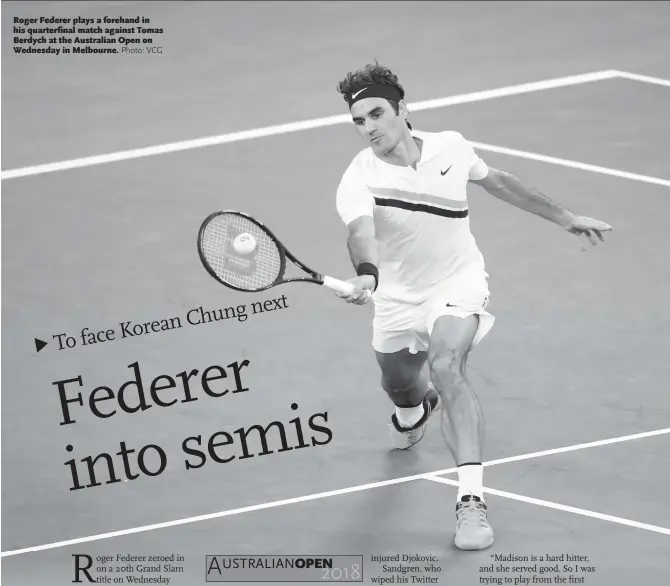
253	271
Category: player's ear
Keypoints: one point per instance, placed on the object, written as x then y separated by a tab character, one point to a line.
402	109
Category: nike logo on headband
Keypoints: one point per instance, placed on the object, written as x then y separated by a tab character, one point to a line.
353	96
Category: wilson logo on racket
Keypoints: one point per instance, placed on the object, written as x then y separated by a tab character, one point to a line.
241	266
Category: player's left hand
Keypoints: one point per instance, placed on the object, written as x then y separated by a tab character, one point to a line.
588	229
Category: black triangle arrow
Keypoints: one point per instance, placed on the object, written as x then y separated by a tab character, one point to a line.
39	344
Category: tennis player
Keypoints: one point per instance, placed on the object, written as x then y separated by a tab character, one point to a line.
403	199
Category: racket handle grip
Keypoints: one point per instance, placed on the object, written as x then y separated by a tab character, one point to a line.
342	287
337	285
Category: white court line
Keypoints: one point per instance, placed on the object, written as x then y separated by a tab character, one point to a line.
567	163
643	78
595	444
559	507
607	442
249	509
514	90
320	495
304	125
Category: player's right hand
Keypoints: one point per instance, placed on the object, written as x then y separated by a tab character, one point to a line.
362	293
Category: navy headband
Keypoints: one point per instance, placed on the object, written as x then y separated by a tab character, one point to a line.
379	90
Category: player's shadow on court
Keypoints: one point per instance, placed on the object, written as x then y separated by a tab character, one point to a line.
379	513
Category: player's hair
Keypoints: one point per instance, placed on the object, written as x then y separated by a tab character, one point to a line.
368	75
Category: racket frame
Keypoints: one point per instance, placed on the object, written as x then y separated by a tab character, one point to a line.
284	253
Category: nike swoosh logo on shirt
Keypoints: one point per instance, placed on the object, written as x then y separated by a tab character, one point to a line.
353	96
443	173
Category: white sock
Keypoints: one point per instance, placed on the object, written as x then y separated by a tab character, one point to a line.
470	480
409	416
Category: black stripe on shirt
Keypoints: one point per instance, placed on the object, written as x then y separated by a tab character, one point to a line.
420	207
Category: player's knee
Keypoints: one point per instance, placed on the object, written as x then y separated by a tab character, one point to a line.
399	382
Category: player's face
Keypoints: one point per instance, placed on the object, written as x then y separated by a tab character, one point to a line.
378	124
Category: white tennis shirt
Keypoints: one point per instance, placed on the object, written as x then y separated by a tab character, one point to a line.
421	216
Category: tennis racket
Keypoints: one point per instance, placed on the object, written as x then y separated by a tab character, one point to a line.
251	270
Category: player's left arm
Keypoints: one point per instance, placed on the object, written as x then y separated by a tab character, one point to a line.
512	190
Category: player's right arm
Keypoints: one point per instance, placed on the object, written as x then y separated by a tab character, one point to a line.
355	204
363	248
362	243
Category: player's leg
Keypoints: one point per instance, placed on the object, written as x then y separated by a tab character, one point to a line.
401	354
452	338
450	343
405	381
403	376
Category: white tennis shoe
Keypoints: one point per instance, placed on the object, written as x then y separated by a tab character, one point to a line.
473	531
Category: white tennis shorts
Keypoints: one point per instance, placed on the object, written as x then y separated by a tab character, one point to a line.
399	325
